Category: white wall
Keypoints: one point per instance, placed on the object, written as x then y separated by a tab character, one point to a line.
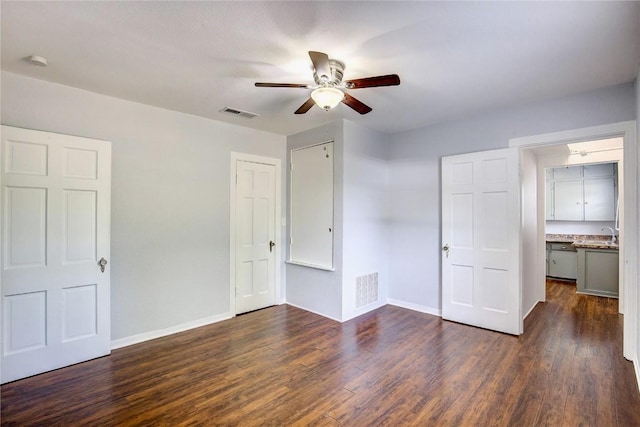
170	198
529	190
593	228
637	117
317	290
414	176
365	214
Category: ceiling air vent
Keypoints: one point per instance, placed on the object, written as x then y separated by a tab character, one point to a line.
238	113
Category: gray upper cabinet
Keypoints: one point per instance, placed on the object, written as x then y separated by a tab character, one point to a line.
600	170
581	193
599	199
568	202
567	172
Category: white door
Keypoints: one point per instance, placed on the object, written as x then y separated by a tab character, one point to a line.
55	207
481	240
255	236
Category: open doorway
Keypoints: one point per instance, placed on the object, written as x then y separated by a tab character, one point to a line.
535	151
583	193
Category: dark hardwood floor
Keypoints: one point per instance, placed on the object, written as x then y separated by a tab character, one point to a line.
285	366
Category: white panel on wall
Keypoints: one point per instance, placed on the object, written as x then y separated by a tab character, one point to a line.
24	322
496	290
80	312
80	226
80	163
496	210
25	221
462	284
26	158
462	220
312	206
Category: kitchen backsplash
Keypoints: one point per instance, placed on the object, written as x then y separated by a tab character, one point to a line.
578	227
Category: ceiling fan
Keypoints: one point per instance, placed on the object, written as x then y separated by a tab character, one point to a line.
329	89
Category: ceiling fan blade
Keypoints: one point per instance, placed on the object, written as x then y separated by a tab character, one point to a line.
295	85
387	80
305	107
355	104
321	64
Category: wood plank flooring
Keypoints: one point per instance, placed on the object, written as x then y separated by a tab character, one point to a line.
283	366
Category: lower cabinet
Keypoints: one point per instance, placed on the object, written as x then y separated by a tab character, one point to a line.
562	261
598	272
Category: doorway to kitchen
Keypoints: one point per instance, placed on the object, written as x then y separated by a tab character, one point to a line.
582	224
537	154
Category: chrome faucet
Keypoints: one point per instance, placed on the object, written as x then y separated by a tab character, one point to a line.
613	234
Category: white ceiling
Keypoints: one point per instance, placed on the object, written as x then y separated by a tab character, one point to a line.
454	58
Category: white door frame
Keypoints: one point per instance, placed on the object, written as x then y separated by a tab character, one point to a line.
235	157
626	130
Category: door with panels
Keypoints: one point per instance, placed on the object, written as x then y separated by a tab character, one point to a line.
255	237
55	279
480	237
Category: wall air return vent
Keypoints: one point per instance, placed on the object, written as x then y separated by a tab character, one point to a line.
238	113
366	289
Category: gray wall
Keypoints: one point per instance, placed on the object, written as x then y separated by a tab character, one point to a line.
365	215
170	197
414	175
320	291
361	229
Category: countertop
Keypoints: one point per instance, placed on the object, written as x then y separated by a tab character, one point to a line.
584	241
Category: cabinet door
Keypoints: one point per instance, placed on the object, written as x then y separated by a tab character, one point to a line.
604	169
567	172
599	199
567	200
598	272
563	264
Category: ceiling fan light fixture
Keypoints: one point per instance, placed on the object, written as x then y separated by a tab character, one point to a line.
327	97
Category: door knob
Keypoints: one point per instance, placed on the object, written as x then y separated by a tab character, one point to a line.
102	263
445	248
271	245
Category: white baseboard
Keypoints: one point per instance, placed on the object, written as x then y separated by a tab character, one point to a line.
364	310
531	309
416	307
314	312
159	333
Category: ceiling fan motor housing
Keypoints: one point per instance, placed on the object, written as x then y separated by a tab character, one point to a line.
337	70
